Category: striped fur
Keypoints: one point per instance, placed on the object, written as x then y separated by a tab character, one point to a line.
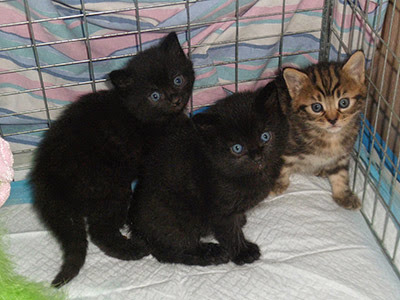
320	143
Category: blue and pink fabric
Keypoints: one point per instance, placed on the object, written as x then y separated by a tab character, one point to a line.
62	47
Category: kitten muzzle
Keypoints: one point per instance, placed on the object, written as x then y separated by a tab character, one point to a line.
334	129
332	121
176	101
258	160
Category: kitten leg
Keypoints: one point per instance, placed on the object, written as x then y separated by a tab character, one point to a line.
203	254
109	239
173	244
229	234
341	193
242	220
105	223
282	182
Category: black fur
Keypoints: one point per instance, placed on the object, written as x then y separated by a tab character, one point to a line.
194	185
86	162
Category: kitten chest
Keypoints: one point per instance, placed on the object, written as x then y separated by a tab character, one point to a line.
309	164
318	157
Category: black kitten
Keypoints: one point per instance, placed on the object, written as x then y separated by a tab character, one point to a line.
86	162
203	176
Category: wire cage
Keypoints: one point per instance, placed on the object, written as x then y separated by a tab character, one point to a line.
53	51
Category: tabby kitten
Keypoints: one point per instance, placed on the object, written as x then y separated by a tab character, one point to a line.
202	177
85	164
324	120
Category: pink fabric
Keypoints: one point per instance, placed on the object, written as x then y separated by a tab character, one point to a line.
6	170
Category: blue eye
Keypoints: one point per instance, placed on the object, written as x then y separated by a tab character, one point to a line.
237	148
317	107
343	103
178	80
266	136
155	96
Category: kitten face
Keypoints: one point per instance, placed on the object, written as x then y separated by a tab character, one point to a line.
329	96
242	140
157	82
246	152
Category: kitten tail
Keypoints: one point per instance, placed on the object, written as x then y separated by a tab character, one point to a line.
72	236
74	245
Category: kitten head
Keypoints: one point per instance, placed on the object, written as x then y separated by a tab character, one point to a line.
157	82
328	96
245	134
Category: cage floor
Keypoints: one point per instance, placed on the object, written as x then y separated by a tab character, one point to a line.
311	249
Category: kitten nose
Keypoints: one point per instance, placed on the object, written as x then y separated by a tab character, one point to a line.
175	100
332	121
256	157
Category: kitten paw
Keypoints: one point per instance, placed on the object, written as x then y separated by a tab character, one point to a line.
242	220
348	201
249	254
125	249
279	188
214	254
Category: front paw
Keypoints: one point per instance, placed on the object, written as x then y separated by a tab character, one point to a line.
248	254
348	200
280	186
242	219
214	254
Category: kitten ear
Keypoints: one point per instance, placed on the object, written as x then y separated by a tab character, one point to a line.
120	78
295	81
263	96
227	92
355	66
171	44
269	96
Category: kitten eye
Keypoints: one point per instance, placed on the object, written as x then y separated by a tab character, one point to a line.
343	103
317	107
266	136
237	149
155	96
178	80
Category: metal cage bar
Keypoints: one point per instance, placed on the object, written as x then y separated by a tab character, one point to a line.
282	34
37	60
326	26
88	48
138	26
189	38
328	34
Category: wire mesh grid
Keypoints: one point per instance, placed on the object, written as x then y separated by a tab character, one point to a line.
381	169
344	27
135	8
